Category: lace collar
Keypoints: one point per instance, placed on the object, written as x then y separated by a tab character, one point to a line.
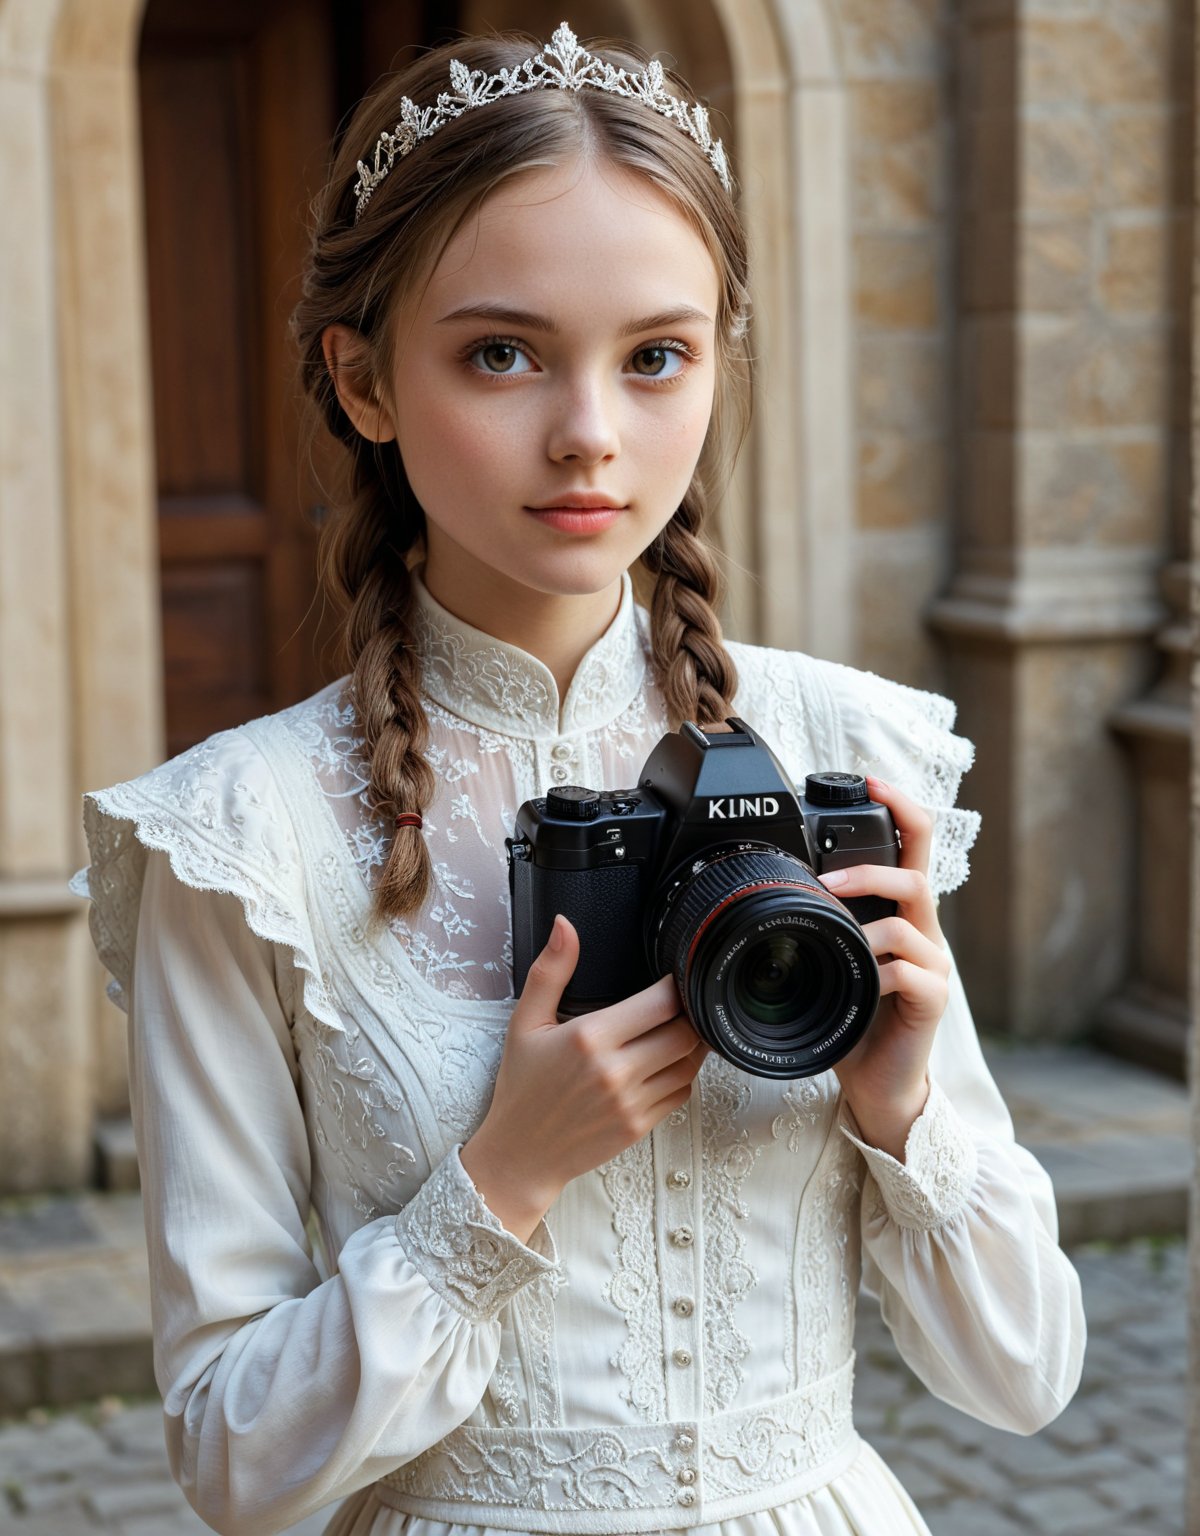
504	689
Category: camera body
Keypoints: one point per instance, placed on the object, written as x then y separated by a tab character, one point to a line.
707	870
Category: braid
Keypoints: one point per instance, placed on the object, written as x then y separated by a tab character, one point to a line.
364	563
696	671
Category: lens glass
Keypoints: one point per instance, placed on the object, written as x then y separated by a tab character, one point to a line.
786	986
773	983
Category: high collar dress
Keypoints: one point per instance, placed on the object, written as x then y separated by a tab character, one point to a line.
338	1316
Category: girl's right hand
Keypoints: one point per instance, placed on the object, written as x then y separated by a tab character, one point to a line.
571	1095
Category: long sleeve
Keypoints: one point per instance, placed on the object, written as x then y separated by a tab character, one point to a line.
283	1392
960	1245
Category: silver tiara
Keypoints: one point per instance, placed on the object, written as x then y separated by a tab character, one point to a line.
562	65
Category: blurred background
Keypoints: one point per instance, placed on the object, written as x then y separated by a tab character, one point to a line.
971	470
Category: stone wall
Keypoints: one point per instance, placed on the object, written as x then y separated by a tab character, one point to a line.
898	61
1073	335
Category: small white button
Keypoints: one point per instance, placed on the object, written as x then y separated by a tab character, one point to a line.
560	750
558	773
684	1441
687	1474
686	1496
680	1179
682	1237
682	1357
683	1306
678	1116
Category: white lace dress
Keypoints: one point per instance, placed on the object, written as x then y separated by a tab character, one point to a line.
673	1347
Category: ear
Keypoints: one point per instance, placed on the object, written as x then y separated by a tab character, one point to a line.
348	359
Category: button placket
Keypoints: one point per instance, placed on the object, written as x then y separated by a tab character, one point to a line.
562	762
678	1214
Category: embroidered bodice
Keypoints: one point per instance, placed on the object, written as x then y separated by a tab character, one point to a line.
675	1341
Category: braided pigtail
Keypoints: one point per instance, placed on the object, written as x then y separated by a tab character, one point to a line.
363	555
696	671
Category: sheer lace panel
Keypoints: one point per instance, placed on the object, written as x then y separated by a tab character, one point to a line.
499	735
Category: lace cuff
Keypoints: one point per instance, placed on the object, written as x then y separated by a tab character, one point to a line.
931	1185
465	1252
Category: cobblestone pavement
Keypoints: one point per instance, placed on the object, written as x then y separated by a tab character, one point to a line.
1113	1463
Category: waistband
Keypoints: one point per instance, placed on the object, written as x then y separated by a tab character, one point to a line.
614	1480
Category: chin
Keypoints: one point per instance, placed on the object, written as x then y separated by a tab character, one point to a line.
576	572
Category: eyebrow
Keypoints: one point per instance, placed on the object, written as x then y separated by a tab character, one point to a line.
523	319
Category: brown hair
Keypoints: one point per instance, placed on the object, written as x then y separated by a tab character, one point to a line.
358	276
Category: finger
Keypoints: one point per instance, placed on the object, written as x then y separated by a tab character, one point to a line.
547	978
660	1084
660	1047
909	887
923	993
896	936
633	1016
913	822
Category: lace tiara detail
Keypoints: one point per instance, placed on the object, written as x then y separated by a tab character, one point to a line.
561	65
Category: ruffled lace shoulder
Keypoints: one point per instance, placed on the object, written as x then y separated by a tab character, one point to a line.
819	714
217	813
903	735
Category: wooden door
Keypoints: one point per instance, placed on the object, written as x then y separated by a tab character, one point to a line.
240	100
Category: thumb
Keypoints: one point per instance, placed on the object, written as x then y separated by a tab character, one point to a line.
548	976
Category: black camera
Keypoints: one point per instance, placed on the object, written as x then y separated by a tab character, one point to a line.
707	871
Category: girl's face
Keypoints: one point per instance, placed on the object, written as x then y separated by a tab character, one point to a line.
561	357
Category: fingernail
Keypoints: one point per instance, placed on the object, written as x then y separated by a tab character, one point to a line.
556	933
834	877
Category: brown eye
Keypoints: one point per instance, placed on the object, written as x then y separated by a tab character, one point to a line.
499	356
659	362
650	360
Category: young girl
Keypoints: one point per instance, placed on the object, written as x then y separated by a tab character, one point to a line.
577	1276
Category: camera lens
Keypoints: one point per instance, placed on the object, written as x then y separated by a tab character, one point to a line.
773	981
773	970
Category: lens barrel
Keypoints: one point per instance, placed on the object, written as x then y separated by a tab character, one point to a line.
774	972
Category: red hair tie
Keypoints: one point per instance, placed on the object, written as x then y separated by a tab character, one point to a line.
409	819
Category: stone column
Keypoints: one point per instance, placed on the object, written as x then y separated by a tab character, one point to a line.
45	1027
106	428
80	690
1069	327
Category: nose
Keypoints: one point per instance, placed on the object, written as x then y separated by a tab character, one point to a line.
583	429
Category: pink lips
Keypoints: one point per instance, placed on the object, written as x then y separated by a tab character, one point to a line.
579	512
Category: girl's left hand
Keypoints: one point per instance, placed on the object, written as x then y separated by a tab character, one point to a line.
883	1077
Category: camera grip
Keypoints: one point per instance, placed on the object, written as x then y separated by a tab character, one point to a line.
605	908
